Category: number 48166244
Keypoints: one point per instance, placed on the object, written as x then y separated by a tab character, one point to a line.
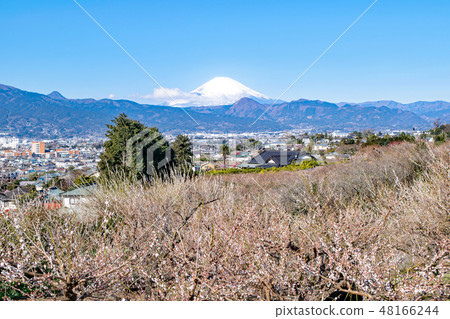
409	310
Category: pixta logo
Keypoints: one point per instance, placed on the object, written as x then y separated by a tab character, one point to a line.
148	152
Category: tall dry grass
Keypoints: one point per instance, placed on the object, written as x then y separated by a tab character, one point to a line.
376	228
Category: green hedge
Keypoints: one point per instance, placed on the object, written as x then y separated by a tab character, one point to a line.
292	167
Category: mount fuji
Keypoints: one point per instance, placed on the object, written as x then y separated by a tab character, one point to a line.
224	90
218	91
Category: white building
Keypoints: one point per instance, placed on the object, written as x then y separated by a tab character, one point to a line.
76	197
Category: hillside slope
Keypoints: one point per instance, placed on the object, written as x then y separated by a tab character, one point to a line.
33	114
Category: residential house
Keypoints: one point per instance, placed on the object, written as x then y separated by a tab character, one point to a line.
8	198
78	196
54	194
303	156
277	158
6	203
321	145
39	185
49	176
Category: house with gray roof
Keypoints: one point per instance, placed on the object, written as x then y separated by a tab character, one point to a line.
78	196
54	194
8	198
277	158
6	203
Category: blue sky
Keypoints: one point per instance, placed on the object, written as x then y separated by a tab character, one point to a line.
399	50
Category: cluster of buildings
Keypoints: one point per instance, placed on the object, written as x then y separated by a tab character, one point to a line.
19	158
37	148
30	167
244	148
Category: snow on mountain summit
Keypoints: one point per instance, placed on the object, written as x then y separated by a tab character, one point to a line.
222	91
226	90
218	91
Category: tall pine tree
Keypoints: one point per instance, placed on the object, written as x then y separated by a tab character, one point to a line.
182	150
136	160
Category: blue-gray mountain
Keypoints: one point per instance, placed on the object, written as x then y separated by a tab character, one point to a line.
427	110
38	115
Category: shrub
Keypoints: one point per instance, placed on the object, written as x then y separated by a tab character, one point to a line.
376	229
307	164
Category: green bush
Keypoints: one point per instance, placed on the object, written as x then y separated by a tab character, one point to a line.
292	167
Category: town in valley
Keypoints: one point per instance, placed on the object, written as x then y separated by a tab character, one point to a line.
54	171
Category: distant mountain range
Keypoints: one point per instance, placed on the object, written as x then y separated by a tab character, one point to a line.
429	111
48	116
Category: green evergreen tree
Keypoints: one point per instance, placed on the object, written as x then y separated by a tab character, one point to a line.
135	161
182	152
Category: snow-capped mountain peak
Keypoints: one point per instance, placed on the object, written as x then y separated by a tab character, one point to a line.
218	91
224	90
227	90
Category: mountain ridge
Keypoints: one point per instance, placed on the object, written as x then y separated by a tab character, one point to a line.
34	114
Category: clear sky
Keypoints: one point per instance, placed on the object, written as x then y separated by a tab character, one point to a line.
399	50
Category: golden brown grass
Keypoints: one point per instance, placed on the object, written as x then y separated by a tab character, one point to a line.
376	228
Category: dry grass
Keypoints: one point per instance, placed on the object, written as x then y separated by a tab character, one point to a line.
376	228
